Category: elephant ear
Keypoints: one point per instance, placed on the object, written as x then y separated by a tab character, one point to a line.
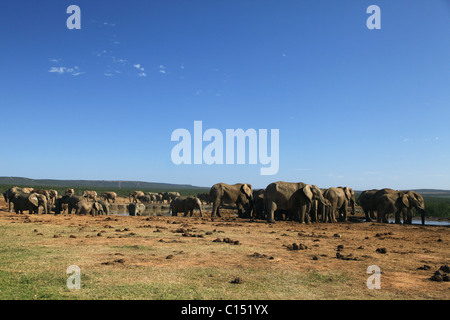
347	192
247	190
308	192
33	199
405	200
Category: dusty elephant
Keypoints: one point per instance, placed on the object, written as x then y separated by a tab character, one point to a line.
295	198
185	204
70	200
85	207
340	199
240	194
30	202
135	209
90	195
109	196
10	193
133	196
400	203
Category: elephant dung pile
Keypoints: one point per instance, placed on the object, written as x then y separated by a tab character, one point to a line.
441	274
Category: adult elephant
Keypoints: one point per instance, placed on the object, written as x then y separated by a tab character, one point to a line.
295	198
145	198
10	193
109	196
90	195
133	196
104	209
70	200
340	199
400	203
135	209
30	202
169	196
186	204
240	194
367	202
84	207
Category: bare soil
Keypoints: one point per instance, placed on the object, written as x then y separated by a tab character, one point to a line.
319	249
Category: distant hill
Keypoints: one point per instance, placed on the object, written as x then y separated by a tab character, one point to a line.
427	192
95	184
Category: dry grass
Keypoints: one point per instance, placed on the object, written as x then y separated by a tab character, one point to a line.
151	258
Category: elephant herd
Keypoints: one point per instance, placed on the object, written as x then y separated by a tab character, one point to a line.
280	200
307	203
29	199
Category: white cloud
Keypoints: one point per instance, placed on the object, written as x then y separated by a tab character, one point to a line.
108	74
142	74
75	71
139	67
54	60
59	70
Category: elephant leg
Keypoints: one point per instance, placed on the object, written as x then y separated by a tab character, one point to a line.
270	211
366	213
215	210
302	214
397	217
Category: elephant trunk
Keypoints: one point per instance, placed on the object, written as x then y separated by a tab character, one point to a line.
422	216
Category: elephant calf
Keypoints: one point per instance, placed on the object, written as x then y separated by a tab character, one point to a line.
186	205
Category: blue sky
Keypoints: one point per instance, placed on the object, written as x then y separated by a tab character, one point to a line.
357	107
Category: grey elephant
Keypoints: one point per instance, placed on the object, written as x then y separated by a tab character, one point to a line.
70	200
109	196
240	194
145	198
90	195
135	209
340	199
169	196
400	204
10	193
185	204
30	202
258	204
295	198
133	196
104	209
85	207
367	202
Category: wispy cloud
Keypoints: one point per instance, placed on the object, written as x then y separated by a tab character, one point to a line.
75	71
162	69
138	66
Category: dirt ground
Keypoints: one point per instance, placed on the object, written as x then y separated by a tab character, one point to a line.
407	255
